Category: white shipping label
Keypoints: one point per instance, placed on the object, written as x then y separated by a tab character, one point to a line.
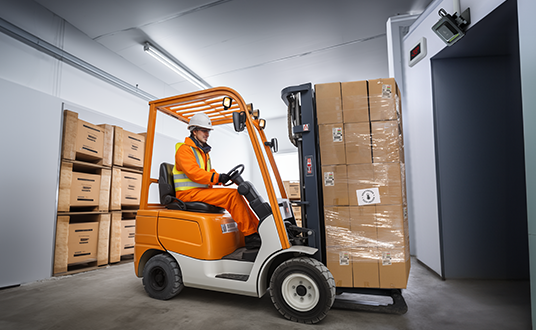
329	179
344	258
229	227
387	91
337	134
386	259
368	196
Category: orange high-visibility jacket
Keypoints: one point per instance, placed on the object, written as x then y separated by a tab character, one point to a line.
185	162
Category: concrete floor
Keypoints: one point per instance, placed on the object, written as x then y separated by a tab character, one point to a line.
114	298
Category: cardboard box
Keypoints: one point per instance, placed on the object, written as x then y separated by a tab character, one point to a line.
128	234
392	224
339	264
387	143
384	99
335	185
365	267
292	189
337	222
332	147
355	108
129	148
360	176
82	242
388	176
89	141
85	189
126	188
385	177
394	265
328	103
357	143
130	188
363	226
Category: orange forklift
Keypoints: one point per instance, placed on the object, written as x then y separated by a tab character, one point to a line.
198	245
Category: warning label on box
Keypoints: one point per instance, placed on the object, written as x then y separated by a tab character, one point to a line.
387	91
329	179
337	134
368	196
344	258
386	259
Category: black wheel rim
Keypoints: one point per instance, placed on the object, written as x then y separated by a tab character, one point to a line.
158	279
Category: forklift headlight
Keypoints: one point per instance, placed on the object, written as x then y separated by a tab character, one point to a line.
227	102
256	113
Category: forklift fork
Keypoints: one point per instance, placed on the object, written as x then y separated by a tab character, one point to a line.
347	299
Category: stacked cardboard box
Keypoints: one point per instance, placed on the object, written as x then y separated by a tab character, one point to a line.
129	150
362	160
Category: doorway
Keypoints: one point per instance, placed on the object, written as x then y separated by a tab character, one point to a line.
479	152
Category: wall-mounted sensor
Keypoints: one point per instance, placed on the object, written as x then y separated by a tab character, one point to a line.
451	28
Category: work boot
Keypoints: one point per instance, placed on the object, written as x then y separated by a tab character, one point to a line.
253	241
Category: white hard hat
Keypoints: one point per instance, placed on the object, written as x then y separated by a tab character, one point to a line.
200	120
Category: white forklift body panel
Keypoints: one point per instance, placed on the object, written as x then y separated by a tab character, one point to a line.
202	274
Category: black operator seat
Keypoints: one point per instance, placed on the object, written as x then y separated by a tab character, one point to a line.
166	188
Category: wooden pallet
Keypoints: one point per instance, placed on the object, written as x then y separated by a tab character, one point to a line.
61	252
68	167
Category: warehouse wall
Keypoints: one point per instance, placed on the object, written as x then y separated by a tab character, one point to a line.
418	127
33	89
527	48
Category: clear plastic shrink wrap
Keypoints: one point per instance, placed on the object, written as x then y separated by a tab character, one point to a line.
363	170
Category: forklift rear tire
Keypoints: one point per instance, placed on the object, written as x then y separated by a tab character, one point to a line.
162	278
302	290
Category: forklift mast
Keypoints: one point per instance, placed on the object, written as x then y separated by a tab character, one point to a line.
303	133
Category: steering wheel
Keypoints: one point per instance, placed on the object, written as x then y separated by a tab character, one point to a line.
235	171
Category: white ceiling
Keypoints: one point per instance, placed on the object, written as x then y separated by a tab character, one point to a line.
256	47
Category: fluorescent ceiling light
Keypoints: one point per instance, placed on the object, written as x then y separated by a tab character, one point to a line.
176	66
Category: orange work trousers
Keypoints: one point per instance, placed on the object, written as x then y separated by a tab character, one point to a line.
229	199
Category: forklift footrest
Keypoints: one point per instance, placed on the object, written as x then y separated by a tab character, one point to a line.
236	277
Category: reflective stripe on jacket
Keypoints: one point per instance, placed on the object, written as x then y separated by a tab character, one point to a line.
190	164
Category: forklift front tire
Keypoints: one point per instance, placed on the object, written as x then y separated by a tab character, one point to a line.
162	278
302	290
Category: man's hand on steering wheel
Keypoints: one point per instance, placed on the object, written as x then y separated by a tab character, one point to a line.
224	178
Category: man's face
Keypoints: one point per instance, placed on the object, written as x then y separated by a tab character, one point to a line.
201	134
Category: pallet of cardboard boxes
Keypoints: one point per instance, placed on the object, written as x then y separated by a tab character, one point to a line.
84	220
362	158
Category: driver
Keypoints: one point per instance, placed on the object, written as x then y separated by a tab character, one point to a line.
194	177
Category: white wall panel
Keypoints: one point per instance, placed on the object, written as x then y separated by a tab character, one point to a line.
30	140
